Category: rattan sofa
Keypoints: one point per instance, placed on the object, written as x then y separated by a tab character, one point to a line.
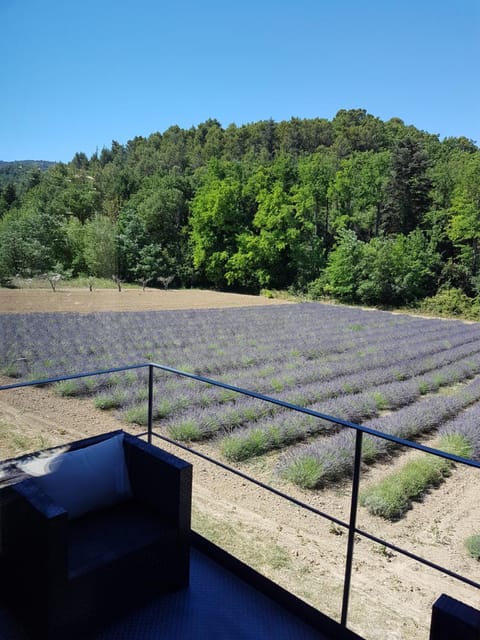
66	572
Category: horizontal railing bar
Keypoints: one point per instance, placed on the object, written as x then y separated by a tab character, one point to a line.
323	416
258	396
259	483
286	405
317	512
72	376
413	556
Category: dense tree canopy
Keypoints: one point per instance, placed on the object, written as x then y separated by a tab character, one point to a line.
356	208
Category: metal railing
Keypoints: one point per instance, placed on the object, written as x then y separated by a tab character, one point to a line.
360	430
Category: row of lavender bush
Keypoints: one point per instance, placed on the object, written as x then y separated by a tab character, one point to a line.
331	458
204	422
393	495
195	413
337	360
287	428
206	341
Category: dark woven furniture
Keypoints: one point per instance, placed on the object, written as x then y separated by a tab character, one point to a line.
64	576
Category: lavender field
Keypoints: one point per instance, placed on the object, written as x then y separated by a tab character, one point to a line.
403	375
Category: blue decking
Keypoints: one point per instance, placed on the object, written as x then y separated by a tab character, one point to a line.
217	605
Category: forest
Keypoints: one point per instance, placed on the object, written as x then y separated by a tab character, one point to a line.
354	208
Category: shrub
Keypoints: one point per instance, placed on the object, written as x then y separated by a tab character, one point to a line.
448	302
188	430
113	400
392	497
11	370
138	414
305	472
238	448
316	289
67	388
472	545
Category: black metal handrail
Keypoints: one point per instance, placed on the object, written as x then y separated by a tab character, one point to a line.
359	429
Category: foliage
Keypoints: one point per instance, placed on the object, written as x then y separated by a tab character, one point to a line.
391	497
408	187
329	207
100	250
338	361
451	302
386	270
472	544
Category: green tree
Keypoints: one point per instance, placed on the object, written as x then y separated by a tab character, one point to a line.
217	217
311	196
266	252
25	245
357	130
100	250
344	267
153	263
398	270
132	237
464	226
408	188
75	237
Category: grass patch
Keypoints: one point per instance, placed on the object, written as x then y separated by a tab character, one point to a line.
67	388
108	401
393	496
305	472
138	414
472	544
14	442
11	370
185	431
82	282
235	537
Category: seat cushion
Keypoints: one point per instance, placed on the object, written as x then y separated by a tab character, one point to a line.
85	479
100	538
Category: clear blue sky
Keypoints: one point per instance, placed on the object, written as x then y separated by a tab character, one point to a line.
77	74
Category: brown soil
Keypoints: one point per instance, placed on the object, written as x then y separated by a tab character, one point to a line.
391	595
84	301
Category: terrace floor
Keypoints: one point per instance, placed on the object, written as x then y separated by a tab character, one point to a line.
219	604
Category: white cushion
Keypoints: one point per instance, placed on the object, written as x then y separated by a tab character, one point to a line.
85	479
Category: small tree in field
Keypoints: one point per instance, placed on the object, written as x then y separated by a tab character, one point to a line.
165	280
53	279
118	281
56	273
153	260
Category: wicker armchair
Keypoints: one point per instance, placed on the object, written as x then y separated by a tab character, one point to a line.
68	569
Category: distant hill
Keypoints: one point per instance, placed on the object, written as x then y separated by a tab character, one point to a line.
17	172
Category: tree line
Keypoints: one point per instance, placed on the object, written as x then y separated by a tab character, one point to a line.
354	208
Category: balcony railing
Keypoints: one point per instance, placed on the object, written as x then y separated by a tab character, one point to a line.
360	430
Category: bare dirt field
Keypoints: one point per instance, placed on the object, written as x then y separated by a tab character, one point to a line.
84	301
391	595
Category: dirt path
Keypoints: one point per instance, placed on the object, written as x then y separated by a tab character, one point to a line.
391	595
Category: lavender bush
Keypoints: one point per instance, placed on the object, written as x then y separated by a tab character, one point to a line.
331	458
393	496
346	362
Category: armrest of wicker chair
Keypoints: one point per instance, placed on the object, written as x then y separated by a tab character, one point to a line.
36	564
160	480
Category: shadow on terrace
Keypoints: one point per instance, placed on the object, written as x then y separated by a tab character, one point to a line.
226	598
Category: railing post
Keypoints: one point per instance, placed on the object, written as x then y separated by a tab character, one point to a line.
150	404
352	525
